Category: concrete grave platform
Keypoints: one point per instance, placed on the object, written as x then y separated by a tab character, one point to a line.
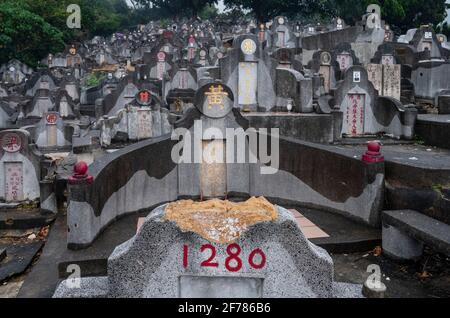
434	129
405	232
55	258
23	219
18	258
417	177
343	235
346	236
163	260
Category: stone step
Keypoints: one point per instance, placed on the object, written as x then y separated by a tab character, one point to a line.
22	220
420	227
434	129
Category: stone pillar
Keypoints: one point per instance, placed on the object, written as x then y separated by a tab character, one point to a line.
373	154
338	118
79	211
409	122
48	197
399	246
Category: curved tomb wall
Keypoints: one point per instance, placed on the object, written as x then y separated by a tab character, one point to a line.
144	175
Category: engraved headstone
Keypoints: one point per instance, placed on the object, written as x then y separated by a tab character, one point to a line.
392	81
19	167
216	255
375	73
345	61
51	119
325	70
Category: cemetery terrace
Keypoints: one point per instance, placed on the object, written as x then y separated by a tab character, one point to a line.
211	158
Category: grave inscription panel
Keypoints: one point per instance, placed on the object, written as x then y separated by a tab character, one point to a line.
13	181
248	83
392	81
375	73
355	115
213	169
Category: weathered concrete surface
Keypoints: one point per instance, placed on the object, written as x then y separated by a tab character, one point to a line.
55	258
18	258
346	236
405	231
434	130
417	177
399	246
306	127
124	185
11	288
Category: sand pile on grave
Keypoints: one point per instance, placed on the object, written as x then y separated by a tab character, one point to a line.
220	221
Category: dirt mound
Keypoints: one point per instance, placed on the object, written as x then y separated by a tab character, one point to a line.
220	221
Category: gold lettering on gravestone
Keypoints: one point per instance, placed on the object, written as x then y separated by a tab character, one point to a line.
248	75
215	96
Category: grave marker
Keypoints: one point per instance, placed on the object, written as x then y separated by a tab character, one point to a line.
248	83
325	70
392	81
13	181
386	77
161	65
11	143
213	170
375	73
51	119
345	61
216	249
19	167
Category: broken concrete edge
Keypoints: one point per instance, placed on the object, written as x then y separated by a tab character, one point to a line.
23	221
220	221
19	259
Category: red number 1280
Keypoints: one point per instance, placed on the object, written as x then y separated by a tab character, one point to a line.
233	262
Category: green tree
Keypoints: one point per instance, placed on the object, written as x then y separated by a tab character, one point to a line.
208	12
400	14
177	8
25	35
266	10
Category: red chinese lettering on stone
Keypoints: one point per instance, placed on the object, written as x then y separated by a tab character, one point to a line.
233	262
11	142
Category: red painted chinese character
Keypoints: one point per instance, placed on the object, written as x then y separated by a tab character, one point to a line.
144	96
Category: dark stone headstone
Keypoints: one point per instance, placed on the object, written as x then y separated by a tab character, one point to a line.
444	104
2	254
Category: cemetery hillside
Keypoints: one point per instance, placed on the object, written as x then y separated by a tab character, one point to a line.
224	149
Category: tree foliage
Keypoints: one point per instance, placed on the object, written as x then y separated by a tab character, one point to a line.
25	35
177	8
266	10
29	29
400	14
